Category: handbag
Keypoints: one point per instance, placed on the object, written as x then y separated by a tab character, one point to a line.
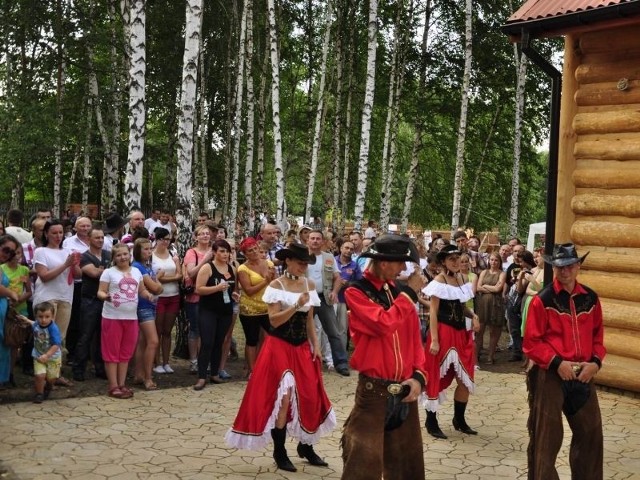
186	286
16	332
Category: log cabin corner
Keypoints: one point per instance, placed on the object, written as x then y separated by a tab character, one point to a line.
595	199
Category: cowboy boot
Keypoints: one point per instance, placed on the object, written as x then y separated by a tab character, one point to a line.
279	452
306	451
433	428
459	423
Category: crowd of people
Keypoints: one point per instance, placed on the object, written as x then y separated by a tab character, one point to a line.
108	294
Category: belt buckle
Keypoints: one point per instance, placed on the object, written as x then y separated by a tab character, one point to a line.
394	388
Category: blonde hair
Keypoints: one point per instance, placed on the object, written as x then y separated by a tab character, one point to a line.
114	251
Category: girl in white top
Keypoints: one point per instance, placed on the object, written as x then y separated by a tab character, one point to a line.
169	273
119	288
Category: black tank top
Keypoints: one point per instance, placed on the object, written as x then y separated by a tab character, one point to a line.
215	300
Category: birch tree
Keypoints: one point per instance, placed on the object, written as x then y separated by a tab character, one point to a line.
337	122
317	133
137	105
281	213
192	34
60	92
521	62
237	121
419	123
248	168
365	135
462	128
86	164
391	124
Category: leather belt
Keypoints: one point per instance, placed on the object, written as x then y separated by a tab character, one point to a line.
392	386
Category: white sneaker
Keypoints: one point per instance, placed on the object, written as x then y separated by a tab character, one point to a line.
168	369
159	369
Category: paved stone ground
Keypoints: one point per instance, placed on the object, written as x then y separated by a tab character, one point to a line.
177	433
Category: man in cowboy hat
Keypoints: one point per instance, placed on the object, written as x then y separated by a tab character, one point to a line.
113	228
382	434
564	339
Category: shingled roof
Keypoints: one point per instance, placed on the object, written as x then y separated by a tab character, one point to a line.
544	17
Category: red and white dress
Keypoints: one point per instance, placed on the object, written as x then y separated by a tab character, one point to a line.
456	357
285	364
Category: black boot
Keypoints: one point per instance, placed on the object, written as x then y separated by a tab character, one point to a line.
433	428
459	423
279	452
306	451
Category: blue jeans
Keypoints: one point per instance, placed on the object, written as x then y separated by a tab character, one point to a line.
327	315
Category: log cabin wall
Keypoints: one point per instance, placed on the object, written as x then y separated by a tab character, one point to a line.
598	206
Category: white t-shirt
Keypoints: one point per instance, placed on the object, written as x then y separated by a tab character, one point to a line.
58	288
369	233
169	289
123	289
150	224
314	272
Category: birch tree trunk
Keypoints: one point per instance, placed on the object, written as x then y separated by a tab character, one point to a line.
517	144
337	122
248	169
483	155
419	123
262	119
462	128
199	149
281	214
365	135
137	105
347	142
186	123
389	147
87	158
317	133
74	173
237	121
60	92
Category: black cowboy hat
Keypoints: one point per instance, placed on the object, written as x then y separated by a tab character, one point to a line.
446	251
393	248
113	222
295	250
564	254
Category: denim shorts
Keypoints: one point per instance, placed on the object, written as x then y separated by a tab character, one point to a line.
146	315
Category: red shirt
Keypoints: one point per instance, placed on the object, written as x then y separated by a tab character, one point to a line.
387	342
565	325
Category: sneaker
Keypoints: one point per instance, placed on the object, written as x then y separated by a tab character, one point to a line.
330	367
168	369
224	375
343	370
39	398
193	368
159	369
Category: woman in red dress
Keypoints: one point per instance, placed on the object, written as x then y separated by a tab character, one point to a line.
450	347
285	390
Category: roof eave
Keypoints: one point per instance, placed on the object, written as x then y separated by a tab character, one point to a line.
554	26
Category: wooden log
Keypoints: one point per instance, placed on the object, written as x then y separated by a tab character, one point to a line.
617	286
615	148
606	234
566	159
620	372
608	94
606	178
609	71
595	204
611	262
620	314
620	121
625	343
622	39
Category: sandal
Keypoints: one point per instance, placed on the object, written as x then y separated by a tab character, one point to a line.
115	392
63	382
150	385
127	392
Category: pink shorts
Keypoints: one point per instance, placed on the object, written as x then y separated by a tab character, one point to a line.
168	304
118	340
